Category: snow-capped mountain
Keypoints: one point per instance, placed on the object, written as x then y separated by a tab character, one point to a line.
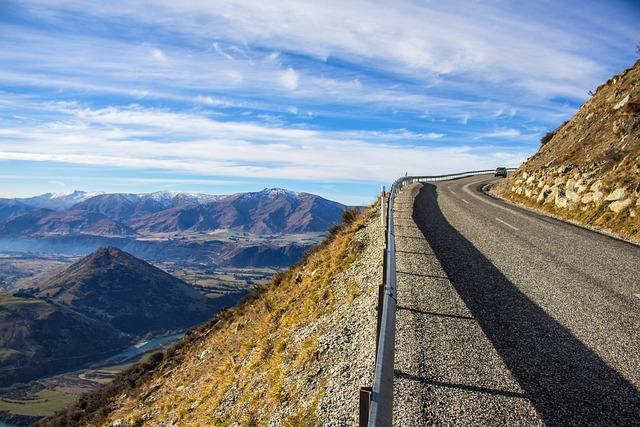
272	210
58	201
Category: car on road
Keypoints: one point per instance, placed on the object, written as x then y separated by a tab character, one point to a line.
501	172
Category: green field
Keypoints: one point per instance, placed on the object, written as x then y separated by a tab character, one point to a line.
46	402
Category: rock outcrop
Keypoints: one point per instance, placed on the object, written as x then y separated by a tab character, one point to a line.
588	170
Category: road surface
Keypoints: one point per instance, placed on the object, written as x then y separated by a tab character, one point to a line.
507	317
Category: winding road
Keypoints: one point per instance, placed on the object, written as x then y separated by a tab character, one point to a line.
508	317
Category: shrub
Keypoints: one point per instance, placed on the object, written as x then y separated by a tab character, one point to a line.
547	137
349	216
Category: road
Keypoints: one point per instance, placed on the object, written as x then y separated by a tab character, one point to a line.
508	317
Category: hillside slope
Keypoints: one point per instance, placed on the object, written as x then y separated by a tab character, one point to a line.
90	309
588	170
295	353
125	292
39	337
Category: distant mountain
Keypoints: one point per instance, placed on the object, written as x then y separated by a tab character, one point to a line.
124	292
90	310
57	201
263	256
270	211
46	222
12	207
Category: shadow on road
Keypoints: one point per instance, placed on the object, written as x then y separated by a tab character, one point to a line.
566	382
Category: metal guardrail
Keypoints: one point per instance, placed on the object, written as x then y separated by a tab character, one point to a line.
376	403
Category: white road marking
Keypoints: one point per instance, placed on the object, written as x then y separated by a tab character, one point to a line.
511	210
507	224
464	200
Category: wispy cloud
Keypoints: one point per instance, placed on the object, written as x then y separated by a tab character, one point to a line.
499	133
304	90
136	137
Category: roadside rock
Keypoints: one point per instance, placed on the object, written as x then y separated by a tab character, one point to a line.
587	198
561	202
617	194
573	196
620	205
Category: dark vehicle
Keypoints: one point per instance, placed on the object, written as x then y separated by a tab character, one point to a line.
501	172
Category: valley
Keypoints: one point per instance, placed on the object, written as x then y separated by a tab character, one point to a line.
127	275
22	404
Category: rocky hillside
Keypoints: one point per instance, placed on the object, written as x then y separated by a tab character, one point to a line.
588	170
294	353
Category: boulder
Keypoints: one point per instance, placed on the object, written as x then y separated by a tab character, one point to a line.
572	196
560	180
587	198
615	195
596	186
551	194
541	197
531	179
620	205
621	103
597	196
561	202
570	183
581	189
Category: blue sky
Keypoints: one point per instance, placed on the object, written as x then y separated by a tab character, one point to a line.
332	97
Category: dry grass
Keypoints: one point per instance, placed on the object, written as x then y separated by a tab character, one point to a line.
249	360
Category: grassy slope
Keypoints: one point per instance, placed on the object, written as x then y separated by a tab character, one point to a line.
39	337
247	362
602	141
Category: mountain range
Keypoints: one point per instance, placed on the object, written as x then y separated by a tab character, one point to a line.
270	211
92	308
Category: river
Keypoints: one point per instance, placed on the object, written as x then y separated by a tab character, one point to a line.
136	350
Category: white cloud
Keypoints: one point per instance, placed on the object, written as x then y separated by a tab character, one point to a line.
159	55
142	138
208	100
289	79
500	133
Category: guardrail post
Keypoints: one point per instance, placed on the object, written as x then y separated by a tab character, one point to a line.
365	405
382	196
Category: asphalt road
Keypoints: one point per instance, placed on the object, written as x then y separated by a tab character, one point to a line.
507	317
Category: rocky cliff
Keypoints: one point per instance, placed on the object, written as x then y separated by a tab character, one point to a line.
588	170
293	353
